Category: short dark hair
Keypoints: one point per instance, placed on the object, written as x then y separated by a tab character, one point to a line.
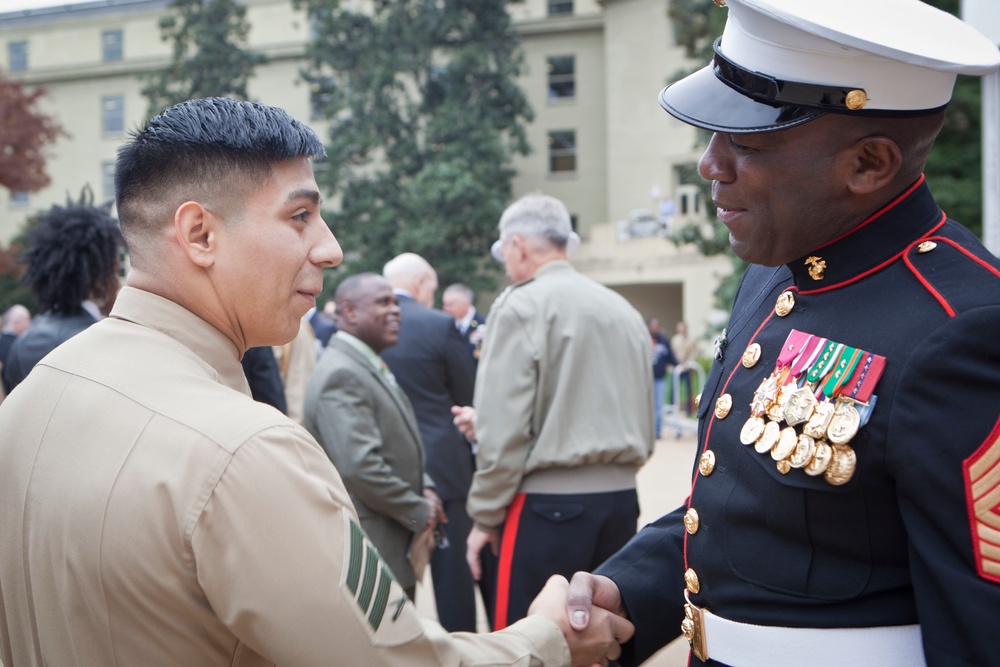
72	255
213	147
351	288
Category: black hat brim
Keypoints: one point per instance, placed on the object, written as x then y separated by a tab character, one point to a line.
703	100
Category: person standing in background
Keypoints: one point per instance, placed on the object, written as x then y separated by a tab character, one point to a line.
357	412
72	257
663	360
435	370
685	349
457	301
15	320
563	413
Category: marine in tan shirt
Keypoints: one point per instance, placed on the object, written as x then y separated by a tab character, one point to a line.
152	513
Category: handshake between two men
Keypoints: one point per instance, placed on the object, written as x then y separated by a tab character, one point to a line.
590	614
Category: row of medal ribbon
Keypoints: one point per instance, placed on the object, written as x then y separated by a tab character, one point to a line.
822	392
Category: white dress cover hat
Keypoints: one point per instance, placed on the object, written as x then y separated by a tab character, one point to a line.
780	63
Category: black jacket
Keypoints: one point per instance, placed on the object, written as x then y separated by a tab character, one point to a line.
433	366
911	537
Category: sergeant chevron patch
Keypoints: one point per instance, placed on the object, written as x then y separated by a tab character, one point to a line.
379	601
982	492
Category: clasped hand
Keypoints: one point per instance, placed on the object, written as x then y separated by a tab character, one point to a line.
594	634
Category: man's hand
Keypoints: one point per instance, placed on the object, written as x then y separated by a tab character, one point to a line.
474	545
587	591
465	420
600	639
437	508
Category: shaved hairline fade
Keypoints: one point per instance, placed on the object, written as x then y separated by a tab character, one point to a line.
216	151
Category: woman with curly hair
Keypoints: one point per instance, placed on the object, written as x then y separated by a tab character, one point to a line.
72	257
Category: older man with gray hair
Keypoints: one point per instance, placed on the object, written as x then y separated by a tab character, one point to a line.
563	413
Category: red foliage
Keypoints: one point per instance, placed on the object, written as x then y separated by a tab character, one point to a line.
24	131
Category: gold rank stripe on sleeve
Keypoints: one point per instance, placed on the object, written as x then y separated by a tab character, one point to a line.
822	392
982	492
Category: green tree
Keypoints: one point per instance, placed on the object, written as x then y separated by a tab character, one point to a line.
425	115
209	58
954	169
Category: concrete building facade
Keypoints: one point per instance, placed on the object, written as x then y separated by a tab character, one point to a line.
593	70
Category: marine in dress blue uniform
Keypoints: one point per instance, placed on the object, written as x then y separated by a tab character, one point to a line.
844	507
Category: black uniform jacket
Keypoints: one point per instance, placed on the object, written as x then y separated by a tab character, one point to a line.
914	535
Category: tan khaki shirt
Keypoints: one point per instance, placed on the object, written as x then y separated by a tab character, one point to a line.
153	514
563	393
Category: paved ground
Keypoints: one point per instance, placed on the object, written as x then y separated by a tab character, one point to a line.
663	484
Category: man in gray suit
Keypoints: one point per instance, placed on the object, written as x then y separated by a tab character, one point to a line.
365	423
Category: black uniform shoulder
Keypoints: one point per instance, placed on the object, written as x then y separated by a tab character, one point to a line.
955	269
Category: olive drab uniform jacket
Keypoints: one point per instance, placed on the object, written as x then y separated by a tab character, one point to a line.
153	514
872	503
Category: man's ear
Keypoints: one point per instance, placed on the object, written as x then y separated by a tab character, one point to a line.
876	160
195	230
520	245
345	312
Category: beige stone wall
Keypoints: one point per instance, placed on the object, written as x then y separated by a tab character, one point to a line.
585	190
644	144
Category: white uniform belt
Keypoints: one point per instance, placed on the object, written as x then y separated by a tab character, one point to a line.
748	645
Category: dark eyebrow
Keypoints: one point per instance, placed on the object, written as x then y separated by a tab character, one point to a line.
306	194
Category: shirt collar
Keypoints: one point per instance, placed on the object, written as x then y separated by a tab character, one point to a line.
876	242
170	318
364	348
464	323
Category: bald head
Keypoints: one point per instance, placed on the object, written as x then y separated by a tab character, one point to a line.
412	273
16	319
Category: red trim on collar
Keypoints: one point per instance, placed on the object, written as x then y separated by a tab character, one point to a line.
926	283
881	266
879	213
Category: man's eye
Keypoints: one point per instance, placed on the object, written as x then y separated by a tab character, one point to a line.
743	148
301	217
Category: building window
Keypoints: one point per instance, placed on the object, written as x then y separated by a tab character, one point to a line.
113	114
560	7
18	197
108	180
562	77
562	151
17	56
111	44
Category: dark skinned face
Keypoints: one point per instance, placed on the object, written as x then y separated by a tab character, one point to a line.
782	194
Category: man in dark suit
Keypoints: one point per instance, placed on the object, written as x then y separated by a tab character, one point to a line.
15	320
457	302
434	368
356	411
